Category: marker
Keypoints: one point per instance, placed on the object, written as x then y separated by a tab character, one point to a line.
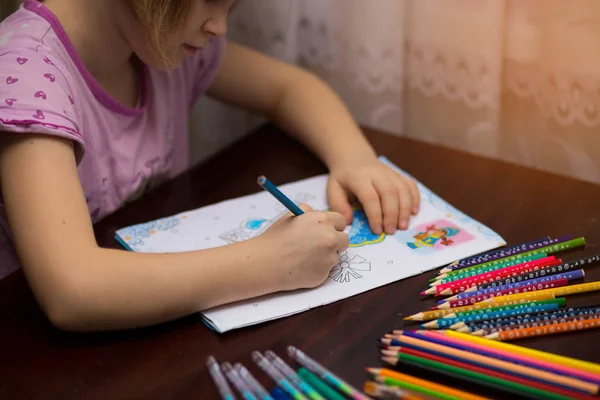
251	381
293	376
283	199
277	376
237	381
220	381
325	374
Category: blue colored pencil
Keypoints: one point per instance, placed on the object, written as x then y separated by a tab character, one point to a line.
528	318
279	394
443	323
269	187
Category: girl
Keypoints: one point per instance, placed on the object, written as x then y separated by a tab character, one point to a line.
94	103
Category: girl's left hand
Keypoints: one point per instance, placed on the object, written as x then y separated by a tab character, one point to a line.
387	197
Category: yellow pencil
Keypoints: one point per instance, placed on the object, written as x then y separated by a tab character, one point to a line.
558	291
542	355
496	302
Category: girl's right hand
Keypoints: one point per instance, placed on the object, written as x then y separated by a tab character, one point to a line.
303	249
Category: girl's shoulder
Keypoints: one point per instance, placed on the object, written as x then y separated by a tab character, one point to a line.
37	82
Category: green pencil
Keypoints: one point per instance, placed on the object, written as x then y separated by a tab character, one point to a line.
561	301
490	268
321	387
497	266
555	248
471	376
415	388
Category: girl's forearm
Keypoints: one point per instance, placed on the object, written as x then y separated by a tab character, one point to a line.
313	113
119	290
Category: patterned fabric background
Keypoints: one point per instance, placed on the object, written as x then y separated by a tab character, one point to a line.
517	80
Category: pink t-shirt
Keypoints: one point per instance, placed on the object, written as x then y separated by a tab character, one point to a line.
45	88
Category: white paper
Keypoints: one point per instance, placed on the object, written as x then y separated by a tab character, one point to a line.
371	261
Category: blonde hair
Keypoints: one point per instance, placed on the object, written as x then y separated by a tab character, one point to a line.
162	20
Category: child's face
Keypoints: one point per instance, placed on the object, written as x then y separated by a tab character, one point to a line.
207	18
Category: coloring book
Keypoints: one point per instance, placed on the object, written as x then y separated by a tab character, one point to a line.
438	235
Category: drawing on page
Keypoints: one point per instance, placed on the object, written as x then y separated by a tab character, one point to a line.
434	236
253	227
351	266
360	233
135	235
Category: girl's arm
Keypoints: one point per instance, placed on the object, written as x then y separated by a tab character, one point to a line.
83	287
294	99
306	107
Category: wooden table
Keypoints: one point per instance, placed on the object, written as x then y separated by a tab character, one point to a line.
168	361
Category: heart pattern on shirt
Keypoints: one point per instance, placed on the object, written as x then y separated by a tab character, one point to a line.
22	60
10	80
41	95
10	102
50	77
39	115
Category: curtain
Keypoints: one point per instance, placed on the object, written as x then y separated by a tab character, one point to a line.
516	80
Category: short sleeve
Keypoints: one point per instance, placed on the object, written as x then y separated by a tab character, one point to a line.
35	97
206	65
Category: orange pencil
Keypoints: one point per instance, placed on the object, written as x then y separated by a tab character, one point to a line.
494	363
495	302
559	291
381	391
545	330
387	373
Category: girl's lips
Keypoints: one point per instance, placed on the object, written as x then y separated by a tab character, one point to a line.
190	49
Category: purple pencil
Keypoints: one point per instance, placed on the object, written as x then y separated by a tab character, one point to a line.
511	251
570	276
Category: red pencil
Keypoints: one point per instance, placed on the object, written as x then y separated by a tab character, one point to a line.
476	299
461	285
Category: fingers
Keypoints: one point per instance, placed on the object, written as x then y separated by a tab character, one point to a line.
368	197
414	195
338	199
404	203
337	220
343	241
390	203
305	207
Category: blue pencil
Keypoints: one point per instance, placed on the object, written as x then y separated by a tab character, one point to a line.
444	323
571	276
269	187
279	394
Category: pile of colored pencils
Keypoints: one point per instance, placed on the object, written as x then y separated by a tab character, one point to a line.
502	367
513	292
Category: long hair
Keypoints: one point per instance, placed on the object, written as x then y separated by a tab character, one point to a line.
161	20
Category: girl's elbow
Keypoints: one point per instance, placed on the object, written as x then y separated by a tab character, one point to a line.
66	306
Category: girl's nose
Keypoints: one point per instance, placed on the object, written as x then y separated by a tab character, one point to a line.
216	26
